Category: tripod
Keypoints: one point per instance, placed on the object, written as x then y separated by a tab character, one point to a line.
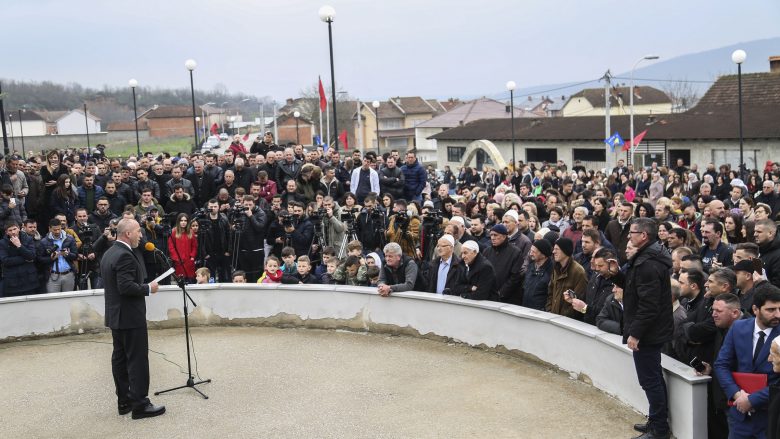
319	240
191	383
349	236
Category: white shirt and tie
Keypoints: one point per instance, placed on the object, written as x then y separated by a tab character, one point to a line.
759	338
441	280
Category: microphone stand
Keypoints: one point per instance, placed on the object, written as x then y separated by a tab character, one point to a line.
191	383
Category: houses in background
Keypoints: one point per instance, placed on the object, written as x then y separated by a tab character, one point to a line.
591	102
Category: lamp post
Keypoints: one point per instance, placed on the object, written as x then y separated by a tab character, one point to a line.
631	103
133	84
2	119
511	87
21	130
327	14
296	115
190	65
375	104
738	57
11	125
86	125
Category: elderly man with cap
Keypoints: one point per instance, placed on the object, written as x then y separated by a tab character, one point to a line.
460	233
480	278
508	263
567	276
515	237
538	275
447	270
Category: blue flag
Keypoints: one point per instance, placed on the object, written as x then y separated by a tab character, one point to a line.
614	140
317	140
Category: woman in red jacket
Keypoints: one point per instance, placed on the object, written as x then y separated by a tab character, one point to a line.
183	248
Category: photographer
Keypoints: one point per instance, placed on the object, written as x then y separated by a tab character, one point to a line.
299	229
251	230
333	227
88	265
155	232
57	252
215	236
404	229
370	225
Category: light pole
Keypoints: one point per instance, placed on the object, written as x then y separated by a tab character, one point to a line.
631	103
2	119
296	115
232	120
86	125
11	125
375	104
511	87
738	57
21	130
133	84
190	65
327	14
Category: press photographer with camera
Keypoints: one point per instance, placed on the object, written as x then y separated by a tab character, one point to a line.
249	227
88	265
298	230
370	225
333	227
215	239
57	252
404	229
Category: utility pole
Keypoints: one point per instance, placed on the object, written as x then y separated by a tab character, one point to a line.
2	120
360	129
607	126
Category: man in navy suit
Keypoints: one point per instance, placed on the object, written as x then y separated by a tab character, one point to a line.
125	295
746	349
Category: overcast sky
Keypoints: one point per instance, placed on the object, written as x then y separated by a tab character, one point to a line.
433	48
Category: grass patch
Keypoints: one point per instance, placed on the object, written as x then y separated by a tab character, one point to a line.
125	149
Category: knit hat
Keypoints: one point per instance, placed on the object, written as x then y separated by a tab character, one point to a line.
543	246
457	219
449	239
428	203
471	245
512	214
566	245
500	228
551	237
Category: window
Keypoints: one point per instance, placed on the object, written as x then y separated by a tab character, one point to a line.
539	155
397	143
731	157
675	154
391	124
590	155
455	153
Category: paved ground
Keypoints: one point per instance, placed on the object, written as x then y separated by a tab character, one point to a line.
297	383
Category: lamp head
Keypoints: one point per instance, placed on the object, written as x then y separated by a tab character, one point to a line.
190	64
375	104
511	85
738	56
133	83
327	13
297	114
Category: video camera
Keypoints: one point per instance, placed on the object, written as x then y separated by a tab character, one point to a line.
433	217
286	220
349	214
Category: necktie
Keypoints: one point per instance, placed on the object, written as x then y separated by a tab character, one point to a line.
759	345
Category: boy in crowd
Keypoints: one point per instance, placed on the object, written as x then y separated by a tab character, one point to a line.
328	253
202	276
327	277
288	257
372	273
303	275
239	277
351	272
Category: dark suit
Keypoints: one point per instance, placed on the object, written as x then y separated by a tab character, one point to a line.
736	355
455	275
123	274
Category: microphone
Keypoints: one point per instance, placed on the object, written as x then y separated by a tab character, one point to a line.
150	247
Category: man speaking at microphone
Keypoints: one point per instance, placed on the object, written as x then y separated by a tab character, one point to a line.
123	272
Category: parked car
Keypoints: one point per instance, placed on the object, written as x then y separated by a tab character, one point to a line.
224	136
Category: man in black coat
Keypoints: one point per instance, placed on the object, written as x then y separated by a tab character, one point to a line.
17	256
507	261
768	241
447	270
480	279
125	296
647	318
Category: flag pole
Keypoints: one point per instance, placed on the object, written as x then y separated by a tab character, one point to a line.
327	116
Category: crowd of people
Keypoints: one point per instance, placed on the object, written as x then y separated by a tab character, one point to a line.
669	257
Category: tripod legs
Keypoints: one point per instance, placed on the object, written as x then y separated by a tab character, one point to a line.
191	384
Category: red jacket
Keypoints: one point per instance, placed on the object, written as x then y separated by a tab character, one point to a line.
237	148
183	251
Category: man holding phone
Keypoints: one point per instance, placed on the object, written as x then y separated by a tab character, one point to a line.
57	252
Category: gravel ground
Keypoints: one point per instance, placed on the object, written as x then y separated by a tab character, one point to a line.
301	383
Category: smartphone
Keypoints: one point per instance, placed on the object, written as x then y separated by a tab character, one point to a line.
697	364
12	200
571	294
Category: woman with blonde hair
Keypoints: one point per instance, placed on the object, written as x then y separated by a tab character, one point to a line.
183	248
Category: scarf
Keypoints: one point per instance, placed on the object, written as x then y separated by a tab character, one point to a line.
274	277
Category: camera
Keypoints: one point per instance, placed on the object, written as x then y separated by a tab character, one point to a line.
286	220
349	214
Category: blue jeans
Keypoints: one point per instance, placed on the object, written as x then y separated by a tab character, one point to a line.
647	361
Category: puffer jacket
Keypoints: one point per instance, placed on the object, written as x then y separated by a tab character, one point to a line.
416	177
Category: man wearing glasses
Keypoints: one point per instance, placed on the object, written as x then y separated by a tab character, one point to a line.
446	270
648	319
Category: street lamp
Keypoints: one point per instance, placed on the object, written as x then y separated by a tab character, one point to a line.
375	104
21	130
327	14
11	124
511	87
190	65
631	101
738	57
233	123
86	125
133	84
296	115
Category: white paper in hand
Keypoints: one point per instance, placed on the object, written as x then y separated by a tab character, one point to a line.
163	276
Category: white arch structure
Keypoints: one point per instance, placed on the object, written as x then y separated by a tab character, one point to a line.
489	148
591	355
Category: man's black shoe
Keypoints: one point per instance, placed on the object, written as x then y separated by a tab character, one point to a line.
124	408
148	411
642	428
653	435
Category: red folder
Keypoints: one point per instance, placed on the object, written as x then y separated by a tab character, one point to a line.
749	382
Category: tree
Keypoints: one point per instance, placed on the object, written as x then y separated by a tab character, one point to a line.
345	109
682	93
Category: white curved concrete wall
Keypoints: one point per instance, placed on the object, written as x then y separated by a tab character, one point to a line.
593	355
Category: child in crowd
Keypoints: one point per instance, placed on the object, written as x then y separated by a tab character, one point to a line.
327	277
202	276
303	276
372	274
288	256
355	248
328	253
372	260
351	272
272	273
239	277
